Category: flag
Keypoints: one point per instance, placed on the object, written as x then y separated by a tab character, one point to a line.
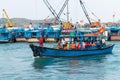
101	30
81	21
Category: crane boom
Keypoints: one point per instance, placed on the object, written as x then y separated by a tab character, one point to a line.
57	16
85	11
63	7
51	9
9	23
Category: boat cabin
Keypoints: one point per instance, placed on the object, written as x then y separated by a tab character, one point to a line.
51	34
86	41
35	33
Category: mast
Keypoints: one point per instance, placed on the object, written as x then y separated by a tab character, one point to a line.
67	12
85	11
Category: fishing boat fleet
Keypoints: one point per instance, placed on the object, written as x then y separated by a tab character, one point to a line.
51	34
17	34
73	41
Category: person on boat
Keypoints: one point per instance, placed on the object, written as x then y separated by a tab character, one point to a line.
83	45
93	43
59	45
41	41
73	45
63	42
103	42
78	45
66	47
98	43
87	44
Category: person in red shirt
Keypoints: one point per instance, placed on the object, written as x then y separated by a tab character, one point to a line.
59	45
78	45
41	41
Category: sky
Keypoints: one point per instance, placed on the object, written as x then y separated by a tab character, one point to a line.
37	10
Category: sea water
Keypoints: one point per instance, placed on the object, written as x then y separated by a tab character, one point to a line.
17	63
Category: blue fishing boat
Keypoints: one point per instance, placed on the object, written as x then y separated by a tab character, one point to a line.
61	52
114	33
52	52
20	34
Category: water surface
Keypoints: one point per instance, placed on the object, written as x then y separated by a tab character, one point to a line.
17	63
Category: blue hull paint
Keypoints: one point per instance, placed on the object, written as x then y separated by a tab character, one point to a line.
43	51
4	35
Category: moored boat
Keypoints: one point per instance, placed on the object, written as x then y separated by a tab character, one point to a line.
32	35
20	35
4	35
114	33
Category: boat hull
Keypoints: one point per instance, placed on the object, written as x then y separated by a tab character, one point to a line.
4	41
43	51
21	39
115	38
31	40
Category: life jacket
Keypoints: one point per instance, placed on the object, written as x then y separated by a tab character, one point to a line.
87	44
73	46
66	47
